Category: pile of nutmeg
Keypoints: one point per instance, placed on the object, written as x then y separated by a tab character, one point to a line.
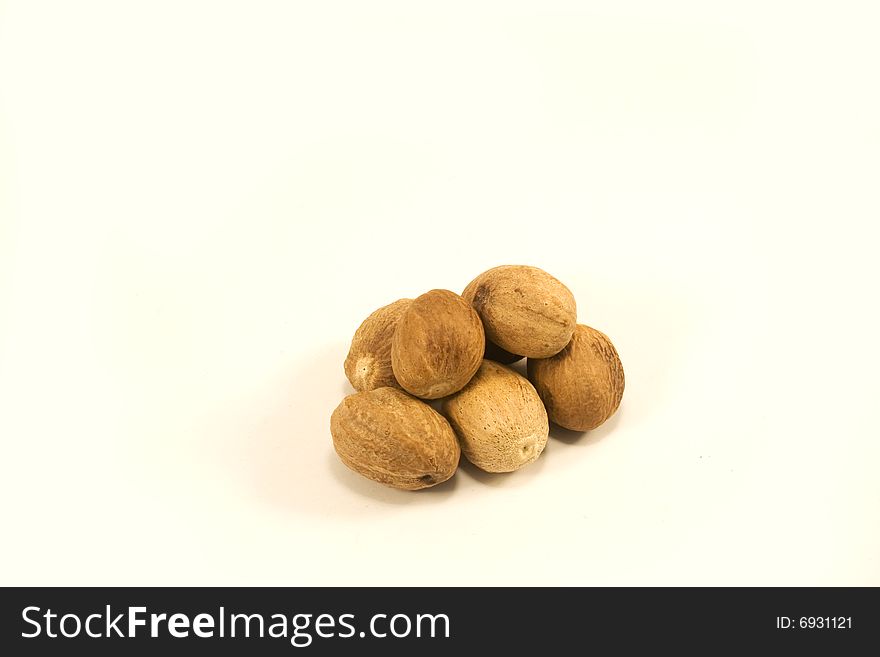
455	349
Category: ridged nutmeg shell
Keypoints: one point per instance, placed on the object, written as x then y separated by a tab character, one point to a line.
395	439
582	385
524	309
499	419
368	364
437	346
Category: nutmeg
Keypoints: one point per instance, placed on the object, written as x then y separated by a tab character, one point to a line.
437	346
582	385
368	364
524	309
498	418
395	439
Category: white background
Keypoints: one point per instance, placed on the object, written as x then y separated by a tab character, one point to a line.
200	201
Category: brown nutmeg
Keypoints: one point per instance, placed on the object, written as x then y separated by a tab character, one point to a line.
395	439
582	385
437	346
368	364
498	418
524	309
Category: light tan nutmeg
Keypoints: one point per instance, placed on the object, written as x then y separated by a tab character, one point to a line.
524	309
499	419
582	385
437	346
368	364
390	437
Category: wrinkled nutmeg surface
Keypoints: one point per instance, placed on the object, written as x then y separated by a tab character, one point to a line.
437	346
582	385
368	364
524	309
499	419
390	437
